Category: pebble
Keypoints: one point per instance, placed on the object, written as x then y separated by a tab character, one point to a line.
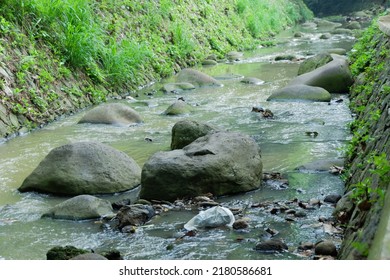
240	224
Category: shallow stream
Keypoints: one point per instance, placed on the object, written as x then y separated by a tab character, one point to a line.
284	144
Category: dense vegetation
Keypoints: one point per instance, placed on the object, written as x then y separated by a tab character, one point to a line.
89	49
368	151
337	7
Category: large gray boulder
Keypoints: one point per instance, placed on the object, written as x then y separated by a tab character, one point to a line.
334	76
81	207
196	78
186	131
83	168
220	163
300	93
112	113
314	62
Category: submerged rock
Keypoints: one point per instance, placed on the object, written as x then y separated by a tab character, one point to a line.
83	168
271	245
81	207
300	93
219	163
112	113
325	248
180	107
252	81
196	78
177	87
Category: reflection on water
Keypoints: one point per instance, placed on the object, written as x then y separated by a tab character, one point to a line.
283	140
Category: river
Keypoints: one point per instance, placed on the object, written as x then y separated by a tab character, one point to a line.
284	145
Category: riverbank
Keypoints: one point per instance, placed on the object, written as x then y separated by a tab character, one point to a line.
58	58
364	209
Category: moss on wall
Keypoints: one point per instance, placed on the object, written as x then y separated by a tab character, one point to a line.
368	151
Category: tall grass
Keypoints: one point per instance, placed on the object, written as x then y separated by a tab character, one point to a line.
268	16
73	30
111	40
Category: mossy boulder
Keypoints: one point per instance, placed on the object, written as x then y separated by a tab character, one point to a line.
300	93
112	113
220	163
81	207
314	62
335	76
83	168
186	131
64	253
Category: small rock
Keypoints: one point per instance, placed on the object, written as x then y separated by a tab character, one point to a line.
271	231
209	62
112	255
311	133
285	57
314	201
302	205
64	253
240	224
325	248
325	36
134	215
129	229
272	245
119	204
208	204
306	246
332	198
289	219
298	35
300	214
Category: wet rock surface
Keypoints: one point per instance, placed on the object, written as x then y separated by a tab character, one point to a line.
83	168
112	113
204	166
81	207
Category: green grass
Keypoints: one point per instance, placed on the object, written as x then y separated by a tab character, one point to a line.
98	36
94	49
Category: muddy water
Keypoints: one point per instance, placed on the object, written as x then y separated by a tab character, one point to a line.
283	140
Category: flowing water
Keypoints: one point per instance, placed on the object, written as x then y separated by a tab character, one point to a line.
283	141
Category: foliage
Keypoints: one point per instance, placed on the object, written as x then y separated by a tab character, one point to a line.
93	49
263	17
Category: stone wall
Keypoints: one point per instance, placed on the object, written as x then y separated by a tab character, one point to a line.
368	176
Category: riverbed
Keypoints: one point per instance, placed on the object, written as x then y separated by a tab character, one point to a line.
285	146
